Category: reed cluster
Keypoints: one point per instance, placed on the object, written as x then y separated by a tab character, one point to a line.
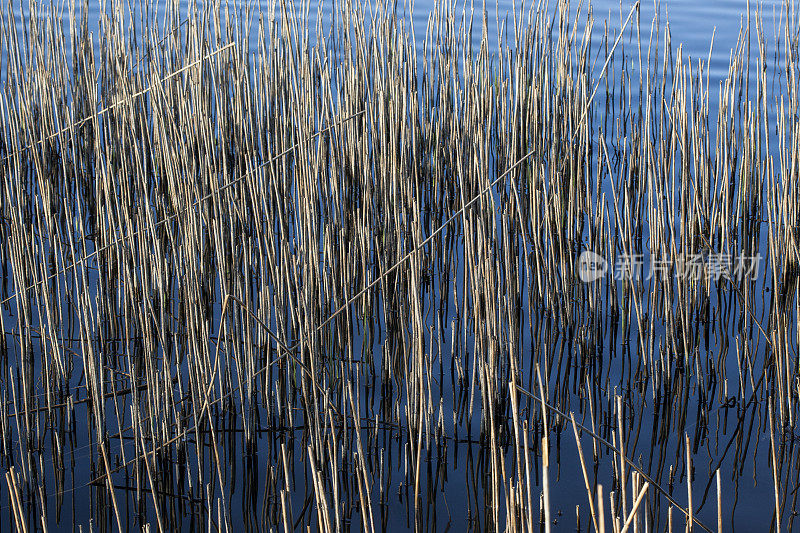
268	271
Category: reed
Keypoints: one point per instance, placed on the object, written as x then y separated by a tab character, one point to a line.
262	269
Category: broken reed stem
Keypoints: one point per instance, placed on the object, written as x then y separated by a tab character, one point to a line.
635	509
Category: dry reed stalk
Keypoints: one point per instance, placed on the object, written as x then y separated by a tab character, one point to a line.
585	474
600	509
153	488
110	486
16	505
775	467
690	514
635	507
545	453
719	501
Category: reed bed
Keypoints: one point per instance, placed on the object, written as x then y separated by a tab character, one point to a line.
268	271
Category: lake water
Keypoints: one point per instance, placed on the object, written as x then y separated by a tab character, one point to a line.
703	31
694	26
